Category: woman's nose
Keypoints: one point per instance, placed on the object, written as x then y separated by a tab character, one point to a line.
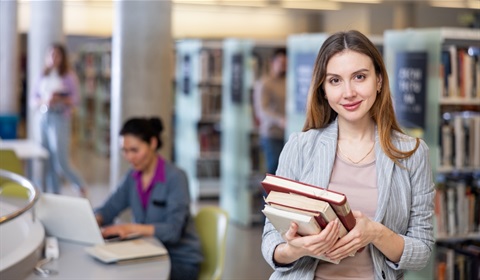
349	91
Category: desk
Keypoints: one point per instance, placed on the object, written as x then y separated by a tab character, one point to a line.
29	150
75	263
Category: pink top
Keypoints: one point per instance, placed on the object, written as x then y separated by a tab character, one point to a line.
359	183
159	177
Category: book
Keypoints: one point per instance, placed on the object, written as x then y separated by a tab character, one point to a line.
311	215
337	200
320	210
281	220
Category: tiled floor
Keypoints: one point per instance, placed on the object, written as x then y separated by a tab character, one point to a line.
243	256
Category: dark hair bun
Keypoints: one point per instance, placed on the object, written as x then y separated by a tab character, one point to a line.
157	124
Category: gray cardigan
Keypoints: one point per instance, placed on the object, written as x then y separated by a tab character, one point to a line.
168	210
405	199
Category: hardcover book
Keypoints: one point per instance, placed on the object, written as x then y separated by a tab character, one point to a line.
338	201
320	210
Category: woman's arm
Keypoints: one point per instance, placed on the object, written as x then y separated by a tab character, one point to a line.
116	203
365	232
175	212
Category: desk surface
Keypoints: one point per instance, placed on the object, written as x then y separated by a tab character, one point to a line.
25	148
75	263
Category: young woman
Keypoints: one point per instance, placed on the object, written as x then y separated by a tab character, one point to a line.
352	143
56	95
157	193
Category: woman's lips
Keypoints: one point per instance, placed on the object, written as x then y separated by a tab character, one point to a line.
352	106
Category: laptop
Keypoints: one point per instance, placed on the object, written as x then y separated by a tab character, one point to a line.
68	218
72	219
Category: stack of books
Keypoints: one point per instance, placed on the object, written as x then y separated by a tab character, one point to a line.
310	207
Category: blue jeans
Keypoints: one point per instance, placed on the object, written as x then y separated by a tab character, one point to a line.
271	149
55	132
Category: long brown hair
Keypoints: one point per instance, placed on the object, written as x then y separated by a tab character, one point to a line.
64	66
320	114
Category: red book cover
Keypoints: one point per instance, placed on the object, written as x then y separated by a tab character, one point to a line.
337	200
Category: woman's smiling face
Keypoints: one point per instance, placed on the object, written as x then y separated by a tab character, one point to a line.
351	85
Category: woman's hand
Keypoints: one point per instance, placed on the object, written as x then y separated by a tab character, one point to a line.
364	232
60	98
127	230
297	246
121	230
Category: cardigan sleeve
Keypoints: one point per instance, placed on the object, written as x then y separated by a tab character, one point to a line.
117	202
419	238
271	238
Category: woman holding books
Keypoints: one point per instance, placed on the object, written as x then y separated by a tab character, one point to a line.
351	143
157	193
56	95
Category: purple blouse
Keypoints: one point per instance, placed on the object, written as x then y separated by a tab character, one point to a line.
158	177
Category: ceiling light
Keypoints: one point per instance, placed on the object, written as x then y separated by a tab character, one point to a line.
245	3
462	4
359	1
310	5
196	2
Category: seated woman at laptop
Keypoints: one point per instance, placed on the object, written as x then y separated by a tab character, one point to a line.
157	193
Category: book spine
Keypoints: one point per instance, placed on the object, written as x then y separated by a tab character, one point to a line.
345	215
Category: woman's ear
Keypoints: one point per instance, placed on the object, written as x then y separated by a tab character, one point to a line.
379	83
153	143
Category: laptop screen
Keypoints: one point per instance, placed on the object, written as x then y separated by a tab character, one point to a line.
68	218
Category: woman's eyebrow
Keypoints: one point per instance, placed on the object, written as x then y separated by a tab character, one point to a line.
355	72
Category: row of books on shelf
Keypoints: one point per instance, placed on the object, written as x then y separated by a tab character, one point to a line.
208	168
461	72
94	64
310	207
458	260
460	140
209	138
457	205
211	99
211	61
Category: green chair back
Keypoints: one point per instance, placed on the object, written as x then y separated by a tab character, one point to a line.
10	162
212	225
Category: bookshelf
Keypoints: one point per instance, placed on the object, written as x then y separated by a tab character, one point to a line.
242	163
302	52
198	109
94	71
444	85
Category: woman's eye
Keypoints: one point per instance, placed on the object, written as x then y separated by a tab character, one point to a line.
359	77
334	80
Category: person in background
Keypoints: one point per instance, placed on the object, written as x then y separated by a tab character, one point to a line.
56	95
269	105
157	193
351	143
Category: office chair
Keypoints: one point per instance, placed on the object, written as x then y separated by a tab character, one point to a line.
10	162
212	224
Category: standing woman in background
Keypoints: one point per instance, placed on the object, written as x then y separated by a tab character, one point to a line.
56	95
157	193
269	105
351	143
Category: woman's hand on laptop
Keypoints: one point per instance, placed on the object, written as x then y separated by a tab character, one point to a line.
127	231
